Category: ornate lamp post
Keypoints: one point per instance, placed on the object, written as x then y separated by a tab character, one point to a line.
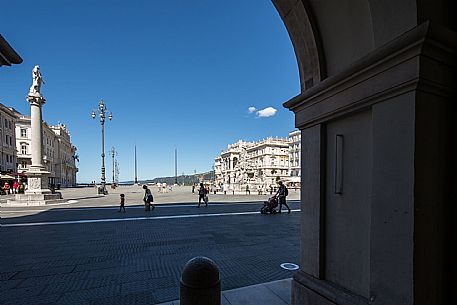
102	110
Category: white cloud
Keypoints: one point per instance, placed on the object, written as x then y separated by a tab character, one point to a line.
252	109
267	112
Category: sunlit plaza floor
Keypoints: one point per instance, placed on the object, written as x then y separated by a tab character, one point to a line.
86	252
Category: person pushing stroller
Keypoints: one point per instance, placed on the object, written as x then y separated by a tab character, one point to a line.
281	194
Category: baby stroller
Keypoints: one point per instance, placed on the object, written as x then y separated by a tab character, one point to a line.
269	206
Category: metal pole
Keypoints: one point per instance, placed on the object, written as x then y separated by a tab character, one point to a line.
176	166
113	153
102	113
117	172
136	178
103	155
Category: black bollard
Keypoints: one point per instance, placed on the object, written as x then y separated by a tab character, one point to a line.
200	283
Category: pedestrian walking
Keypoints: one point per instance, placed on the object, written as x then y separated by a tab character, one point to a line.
259	189
282	193
202	194
15	187
248	192
193	188
6	188
122	203
21	188
148	199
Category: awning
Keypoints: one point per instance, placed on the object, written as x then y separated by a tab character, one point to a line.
6	177
18	174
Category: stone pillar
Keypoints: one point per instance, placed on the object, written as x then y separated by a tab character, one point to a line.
37	132
37	176
378	158
38	192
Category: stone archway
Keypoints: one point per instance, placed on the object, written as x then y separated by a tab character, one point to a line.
378	136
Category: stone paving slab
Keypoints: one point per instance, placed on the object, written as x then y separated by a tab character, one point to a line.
138	262
87	196
272	293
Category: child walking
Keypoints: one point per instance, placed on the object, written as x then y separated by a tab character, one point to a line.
122	203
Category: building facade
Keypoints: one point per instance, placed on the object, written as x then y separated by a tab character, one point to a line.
7	139
59	155
295	157
256	165
64	156
23	142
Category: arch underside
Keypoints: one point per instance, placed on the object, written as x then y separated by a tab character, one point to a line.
376	75
328	36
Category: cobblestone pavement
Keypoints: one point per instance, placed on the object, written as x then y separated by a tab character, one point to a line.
86	252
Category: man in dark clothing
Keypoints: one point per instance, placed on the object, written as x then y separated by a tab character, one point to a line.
282	194
201	194
148	199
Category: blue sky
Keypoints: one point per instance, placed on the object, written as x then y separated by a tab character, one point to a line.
179	74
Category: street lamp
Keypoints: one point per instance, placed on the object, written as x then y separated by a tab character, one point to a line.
102	110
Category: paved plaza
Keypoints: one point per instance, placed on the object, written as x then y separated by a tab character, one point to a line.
86	252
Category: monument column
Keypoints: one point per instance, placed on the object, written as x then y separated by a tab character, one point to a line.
37	132
38	192
37	175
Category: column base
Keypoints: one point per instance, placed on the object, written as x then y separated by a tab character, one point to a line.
307	290
38	192
37	182
34	199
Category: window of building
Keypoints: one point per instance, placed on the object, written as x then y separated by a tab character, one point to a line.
23	133
24	164
10	124
24	149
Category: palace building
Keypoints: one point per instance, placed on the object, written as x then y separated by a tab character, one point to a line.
259	165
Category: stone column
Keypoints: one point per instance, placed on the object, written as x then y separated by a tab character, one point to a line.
37	132
37	175
378	171
38	192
